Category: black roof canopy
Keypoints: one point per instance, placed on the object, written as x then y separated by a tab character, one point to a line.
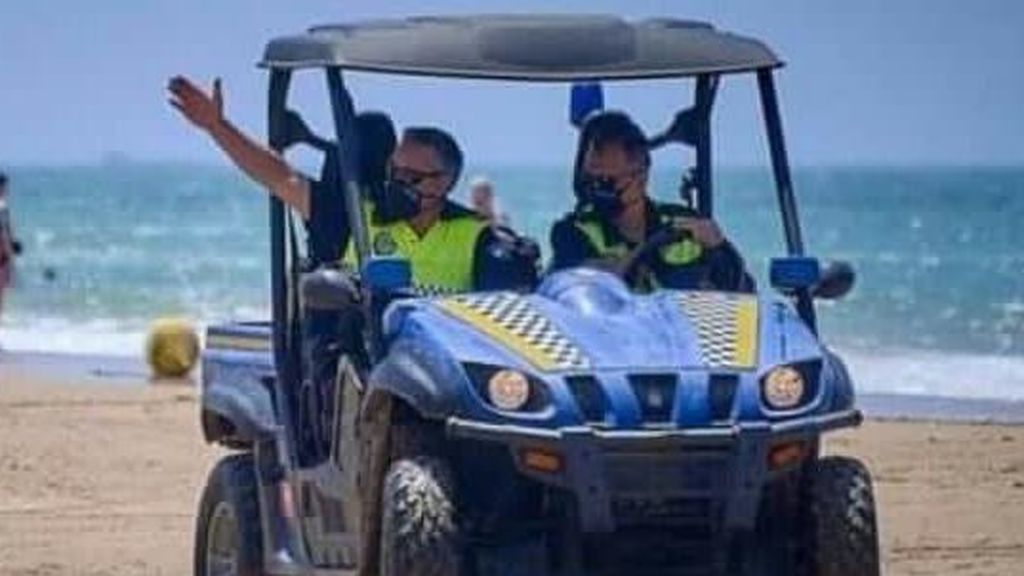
524	47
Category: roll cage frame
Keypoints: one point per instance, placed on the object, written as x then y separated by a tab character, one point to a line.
283	242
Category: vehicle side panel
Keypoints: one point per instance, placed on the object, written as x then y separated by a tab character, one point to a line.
236	402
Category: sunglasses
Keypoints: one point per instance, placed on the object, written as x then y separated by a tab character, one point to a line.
411	176
605	181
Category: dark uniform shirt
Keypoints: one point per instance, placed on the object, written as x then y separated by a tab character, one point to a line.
720	267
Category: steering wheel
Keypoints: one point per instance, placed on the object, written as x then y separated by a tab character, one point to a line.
660	239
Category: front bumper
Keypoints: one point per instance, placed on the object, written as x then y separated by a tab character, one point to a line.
610	472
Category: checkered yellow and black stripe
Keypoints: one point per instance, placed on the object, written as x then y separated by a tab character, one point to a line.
726	325
432	290
512	320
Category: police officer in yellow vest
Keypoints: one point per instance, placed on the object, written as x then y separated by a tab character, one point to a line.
615	218
450	248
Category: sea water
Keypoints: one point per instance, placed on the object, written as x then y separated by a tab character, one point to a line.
938	307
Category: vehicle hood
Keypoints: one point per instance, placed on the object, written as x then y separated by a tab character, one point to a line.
597	324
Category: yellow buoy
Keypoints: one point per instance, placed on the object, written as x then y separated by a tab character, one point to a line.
172	348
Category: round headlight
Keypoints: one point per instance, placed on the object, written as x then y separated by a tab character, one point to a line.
508	390
783	387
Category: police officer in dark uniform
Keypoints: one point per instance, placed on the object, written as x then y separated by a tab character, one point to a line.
616	226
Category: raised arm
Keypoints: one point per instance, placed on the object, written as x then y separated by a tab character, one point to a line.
259	162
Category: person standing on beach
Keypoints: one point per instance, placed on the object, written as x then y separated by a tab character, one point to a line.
9	247
481	198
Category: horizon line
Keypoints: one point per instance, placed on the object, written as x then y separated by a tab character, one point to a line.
501	165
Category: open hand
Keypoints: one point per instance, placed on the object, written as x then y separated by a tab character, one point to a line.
704	230
205	111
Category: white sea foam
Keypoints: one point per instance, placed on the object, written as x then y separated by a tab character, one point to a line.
932	373
79	342
94	338
915	372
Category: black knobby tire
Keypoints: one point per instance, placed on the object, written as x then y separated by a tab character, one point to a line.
842	523
419	534
228	526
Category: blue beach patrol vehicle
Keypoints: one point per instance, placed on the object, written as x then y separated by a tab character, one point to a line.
576	428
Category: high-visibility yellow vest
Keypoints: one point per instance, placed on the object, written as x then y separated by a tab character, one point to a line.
441	259
682	252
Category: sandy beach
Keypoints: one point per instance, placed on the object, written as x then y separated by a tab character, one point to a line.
100	475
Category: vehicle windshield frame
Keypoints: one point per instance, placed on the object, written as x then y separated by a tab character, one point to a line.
284	251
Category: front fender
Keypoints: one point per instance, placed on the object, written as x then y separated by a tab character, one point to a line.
421	373
842	391
236	403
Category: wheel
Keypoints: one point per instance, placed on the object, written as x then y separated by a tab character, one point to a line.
228	539
419	535
841	519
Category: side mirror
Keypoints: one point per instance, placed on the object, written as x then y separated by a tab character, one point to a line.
804	273
387	274
836	281
794	273
327	289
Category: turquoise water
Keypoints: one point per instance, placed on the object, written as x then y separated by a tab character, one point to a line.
938	308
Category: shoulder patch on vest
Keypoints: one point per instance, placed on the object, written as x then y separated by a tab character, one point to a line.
384	244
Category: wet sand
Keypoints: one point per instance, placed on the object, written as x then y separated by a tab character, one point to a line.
101	476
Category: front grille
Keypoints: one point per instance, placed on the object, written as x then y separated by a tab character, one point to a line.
721	394
693	473
656	394
590	398
694	512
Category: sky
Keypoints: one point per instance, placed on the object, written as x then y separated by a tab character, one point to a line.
871	82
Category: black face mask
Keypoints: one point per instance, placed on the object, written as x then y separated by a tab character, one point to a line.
602	194
397	201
